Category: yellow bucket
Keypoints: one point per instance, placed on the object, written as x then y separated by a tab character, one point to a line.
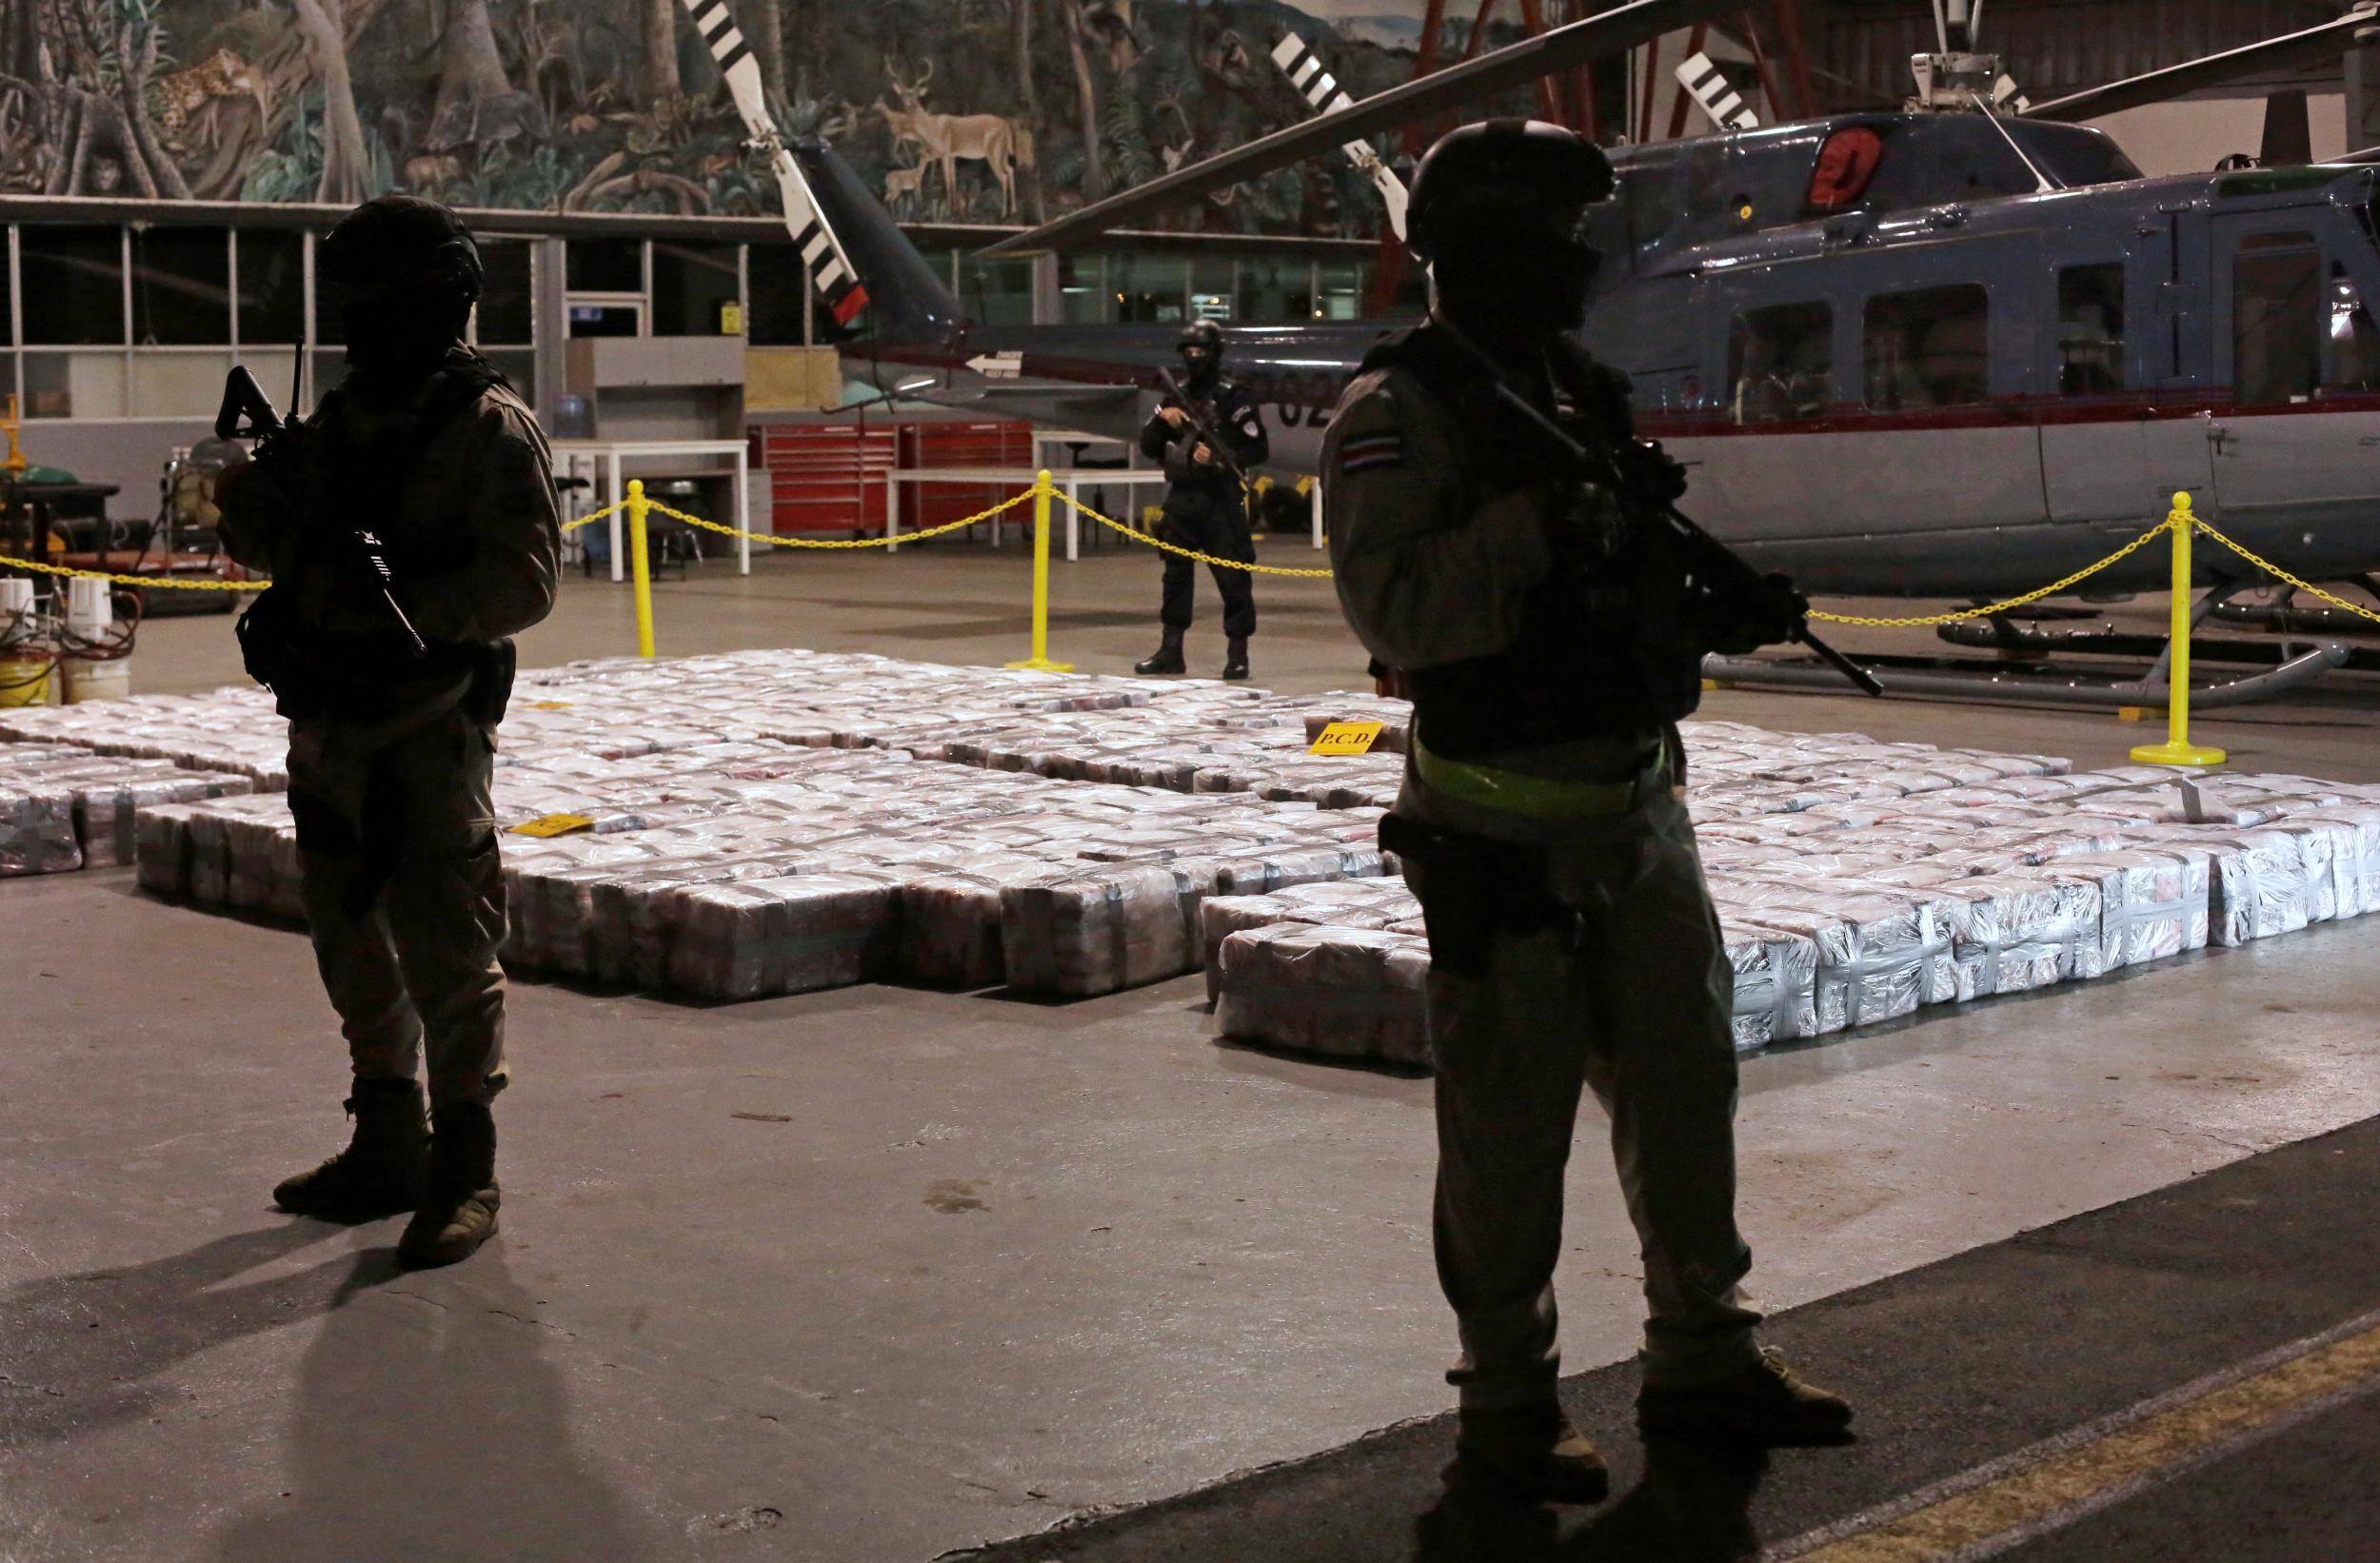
25	683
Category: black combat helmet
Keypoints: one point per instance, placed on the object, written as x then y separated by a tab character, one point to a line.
1483	182
402	245
1200	346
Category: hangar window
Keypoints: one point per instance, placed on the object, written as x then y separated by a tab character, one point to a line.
1780	362
1929	348
2277	323
272	285
77	275
2091	329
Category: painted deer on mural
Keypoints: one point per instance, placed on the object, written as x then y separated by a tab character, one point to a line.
945	140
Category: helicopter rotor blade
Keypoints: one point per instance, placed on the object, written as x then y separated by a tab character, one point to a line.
2325	40
1558	48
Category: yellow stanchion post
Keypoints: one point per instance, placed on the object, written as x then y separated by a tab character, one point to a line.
1040	660
641	567
2177	748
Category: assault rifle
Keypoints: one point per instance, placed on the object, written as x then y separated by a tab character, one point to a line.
1713	560
247	413
1203	427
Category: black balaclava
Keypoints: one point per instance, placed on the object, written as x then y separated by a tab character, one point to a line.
403	274
1514	289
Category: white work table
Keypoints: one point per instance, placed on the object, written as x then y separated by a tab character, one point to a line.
580	457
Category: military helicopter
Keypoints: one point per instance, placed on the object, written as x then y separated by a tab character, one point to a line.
1956	350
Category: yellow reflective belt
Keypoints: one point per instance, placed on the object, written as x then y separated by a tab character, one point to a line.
1537	797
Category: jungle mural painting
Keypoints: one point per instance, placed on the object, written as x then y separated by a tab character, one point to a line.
958	110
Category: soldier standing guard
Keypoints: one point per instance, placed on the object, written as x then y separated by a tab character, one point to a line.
1551	638
392	725
1206	496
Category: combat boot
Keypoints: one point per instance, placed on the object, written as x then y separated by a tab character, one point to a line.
458	1211
1166	658
380	1172
1529	1452
1235	658
1764	1402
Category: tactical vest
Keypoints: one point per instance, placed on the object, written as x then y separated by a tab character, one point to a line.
1608	645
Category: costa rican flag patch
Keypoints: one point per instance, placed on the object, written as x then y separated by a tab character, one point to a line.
1372	452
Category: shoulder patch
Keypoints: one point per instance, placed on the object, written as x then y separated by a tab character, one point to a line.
1372	452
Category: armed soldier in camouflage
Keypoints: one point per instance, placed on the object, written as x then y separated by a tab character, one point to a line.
1550	633
393	686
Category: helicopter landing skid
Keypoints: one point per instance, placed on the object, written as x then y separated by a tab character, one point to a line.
1942	680
2283	614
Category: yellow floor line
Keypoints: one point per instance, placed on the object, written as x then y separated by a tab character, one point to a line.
1999	1506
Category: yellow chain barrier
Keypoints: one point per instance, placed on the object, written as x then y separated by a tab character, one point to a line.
2281	575
123	579
981	515
589	520
1192	554
1989	609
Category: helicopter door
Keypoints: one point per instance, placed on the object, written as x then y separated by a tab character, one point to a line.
2095	432
2289	451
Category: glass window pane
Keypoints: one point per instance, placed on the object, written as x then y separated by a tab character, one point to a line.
1213	284
179	385
691	284
1929	348
1083	298
1339	290
604	319
999	292
328	326
85	385
181	286
8	317
77	274
1780	362
777	285
2091	329
2278	322
1147	288
272	285
1275	291
506	308
606	266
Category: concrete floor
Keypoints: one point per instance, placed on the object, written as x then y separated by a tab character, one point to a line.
878	1274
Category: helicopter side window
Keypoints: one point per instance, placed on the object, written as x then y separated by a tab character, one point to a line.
1929	348
2091	329
2277	309
1780	362
2354	339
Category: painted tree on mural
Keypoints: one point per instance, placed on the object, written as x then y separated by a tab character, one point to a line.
1013	108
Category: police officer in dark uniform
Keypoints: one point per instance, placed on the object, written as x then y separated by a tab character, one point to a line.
1206	498
1550	629
392	721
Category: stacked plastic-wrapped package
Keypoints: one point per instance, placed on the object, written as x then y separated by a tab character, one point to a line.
767	822
64	808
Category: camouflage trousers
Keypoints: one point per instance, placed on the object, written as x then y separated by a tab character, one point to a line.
405	895
1633	1002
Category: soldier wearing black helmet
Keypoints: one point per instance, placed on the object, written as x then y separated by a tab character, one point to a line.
392	744
1206	500
1551	639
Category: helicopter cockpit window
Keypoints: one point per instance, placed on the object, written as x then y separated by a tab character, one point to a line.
2354	339
2091	329
2277	323
1780	362
1846	164
1929	348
